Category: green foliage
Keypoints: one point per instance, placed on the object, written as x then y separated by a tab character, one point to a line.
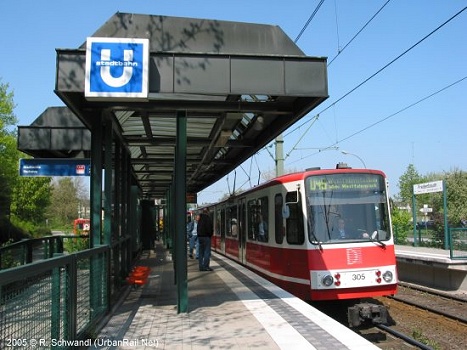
7	117
9	156
75	244
406	182
7	259
30	199
401	221
30	229
456	199
28	202
8	151
456	190
64	201
418	335
8	231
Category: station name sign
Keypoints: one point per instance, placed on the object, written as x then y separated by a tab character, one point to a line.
55	167
116	68
428	187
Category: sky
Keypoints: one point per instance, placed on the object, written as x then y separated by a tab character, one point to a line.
397	75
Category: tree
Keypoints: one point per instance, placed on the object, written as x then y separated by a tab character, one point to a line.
9	159
7	117
401	221
66	197
30	199
406	182
8	170
456	190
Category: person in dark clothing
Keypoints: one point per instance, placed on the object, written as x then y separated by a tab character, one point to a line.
205	231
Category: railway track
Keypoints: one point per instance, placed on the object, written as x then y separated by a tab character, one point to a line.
453	306
418	318
404	338
426	318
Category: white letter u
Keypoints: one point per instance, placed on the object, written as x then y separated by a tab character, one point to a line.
126	74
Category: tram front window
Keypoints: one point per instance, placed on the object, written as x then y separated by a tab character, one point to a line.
347	207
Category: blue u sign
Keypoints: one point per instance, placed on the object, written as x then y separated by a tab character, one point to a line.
116	68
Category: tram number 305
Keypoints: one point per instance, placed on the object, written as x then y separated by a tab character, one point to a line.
358	277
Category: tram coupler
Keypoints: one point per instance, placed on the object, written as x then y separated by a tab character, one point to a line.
367	312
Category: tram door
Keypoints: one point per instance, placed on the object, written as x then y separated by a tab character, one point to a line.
221	228
242	230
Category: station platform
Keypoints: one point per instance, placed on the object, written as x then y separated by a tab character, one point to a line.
432	267
429	254
228	308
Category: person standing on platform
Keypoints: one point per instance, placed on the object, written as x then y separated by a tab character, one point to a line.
192	231
205	231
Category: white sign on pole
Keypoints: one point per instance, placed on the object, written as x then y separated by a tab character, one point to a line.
428	187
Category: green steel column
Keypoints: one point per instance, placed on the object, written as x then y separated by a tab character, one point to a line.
96	183
107	231
96	272
414	215
55	304
120	266
169	219
180	213
165	220
107	205
71	297
133	219
124	202
446	229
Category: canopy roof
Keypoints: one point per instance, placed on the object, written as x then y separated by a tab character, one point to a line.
240	85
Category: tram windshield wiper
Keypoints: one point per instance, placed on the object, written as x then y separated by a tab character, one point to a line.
316	240
375	238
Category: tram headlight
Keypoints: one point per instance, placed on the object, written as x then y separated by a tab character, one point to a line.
327	280
387	276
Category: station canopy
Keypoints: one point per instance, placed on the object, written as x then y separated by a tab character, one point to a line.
239	85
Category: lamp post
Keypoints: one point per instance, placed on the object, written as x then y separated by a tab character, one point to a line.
352	154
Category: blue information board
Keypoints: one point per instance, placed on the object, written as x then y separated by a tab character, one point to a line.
55	167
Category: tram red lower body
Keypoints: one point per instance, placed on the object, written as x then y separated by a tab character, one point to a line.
290	268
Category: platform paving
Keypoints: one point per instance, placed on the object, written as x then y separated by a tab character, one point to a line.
228	308
148	319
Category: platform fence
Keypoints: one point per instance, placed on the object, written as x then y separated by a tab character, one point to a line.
458	243
36	249
45	304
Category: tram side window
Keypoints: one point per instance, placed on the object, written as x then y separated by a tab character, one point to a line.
219	227
294	223
263	219
278	220
258	229
232	221
251	212
222	227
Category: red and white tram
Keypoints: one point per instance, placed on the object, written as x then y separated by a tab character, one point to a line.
287	231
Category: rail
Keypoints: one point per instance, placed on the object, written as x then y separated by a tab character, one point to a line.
35	249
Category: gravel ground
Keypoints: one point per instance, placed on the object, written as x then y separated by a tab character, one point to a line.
436	331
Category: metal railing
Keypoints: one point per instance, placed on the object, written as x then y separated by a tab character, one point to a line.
32	250
458	243
54	301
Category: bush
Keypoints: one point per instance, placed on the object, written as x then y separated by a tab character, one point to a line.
31	229
75	244
10	232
